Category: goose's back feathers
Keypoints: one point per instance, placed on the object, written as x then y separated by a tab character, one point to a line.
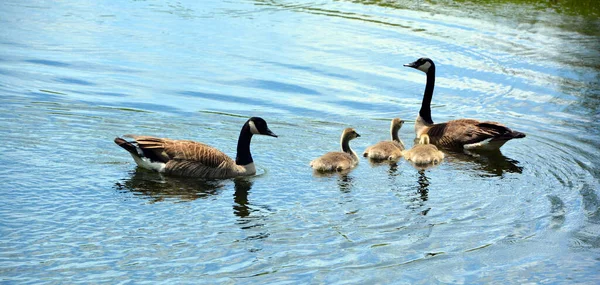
384	150
334	161
195	159
189	158
168	149
469	134
189	168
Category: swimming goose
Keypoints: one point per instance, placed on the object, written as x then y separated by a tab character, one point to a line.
338	161
195	159
387	150
461	133
423	153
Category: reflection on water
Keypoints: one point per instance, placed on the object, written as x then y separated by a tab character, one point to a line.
528	64
157	188
422	191
242	186
251	217
493	163
423	166
346	183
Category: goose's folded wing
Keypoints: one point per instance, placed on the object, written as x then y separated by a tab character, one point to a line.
191	168
465	131
183	150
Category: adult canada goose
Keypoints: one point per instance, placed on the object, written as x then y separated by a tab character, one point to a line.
387	150
338	160
194	159
424	153
461	133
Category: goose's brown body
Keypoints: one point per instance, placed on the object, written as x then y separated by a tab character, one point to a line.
190	158
195	159
461	133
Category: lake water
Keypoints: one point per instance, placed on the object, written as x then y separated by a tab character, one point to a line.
74	208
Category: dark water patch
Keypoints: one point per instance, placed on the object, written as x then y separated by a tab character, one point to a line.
250	101
310	69
127	109
356	106
493	163
75	81
274	86
45	96
143	107
110	94
52	92
223	114
48	62
156	188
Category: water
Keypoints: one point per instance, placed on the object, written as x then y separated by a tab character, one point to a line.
75	209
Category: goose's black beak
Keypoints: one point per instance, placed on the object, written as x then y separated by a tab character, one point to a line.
412	64
270	133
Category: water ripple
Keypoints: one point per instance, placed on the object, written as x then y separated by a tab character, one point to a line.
76	207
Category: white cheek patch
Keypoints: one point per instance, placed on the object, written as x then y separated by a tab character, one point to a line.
253	128
424	67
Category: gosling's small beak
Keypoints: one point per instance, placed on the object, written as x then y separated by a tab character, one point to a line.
270	133
357	135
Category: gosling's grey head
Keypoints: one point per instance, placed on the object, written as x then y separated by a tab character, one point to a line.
423	64
349	134
258	126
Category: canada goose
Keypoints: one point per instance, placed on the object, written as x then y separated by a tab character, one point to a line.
387	150
461	133
194	159
423	153
338	161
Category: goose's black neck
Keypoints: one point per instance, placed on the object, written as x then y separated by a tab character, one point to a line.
243	156
425	111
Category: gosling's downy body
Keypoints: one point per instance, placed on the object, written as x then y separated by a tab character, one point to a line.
424	153
461	133
194	159
387	150
338	161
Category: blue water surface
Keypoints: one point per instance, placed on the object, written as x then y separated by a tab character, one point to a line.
74	207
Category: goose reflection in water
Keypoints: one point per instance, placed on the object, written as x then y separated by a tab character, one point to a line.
493	163
242	187
250	216
157	188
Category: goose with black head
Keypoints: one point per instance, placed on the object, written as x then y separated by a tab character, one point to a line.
194	159
460	133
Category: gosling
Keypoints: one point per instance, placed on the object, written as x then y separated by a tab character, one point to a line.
424	153
387	150
338	161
